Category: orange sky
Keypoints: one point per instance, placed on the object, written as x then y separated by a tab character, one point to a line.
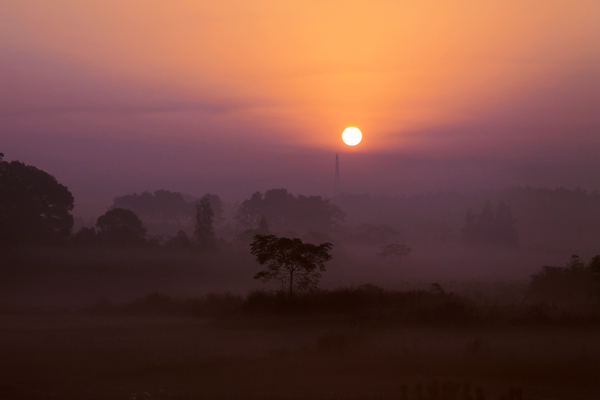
308	69
410	74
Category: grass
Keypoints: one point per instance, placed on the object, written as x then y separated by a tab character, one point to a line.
82	356
264	347
345	343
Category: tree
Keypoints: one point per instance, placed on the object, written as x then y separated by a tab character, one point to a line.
216	204
263	227
294	264
594	264
34	207
205	234
120	226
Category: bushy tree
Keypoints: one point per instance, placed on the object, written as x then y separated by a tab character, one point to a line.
294	264
120	226
34	207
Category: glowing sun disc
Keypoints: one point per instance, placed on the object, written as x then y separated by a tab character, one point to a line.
352	136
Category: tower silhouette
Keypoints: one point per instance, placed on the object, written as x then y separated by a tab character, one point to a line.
337	186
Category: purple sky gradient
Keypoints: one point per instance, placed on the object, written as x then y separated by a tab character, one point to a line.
520	108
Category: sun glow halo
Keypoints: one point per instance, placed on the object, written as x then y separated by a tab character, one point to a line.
352	136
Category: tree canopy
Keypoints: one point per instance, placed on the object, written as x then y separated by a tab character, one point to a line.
34	207
294	264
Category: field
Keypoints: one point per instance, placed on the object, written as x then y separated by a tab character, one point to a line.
81	325
78	356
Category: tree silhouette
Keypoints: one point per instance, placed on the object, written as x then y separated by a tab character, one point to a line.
34	207
161	210
294	264
120	226
84	237
204	231
577	281
594	264
285	212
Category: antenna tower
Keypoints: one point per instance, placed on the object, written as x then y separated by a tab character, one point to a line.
337	188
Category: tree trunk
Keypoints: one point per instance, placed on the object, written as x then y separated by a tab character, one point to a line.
291	283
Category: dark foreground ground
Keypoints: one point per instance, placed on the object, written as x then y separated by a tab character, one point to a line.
77	356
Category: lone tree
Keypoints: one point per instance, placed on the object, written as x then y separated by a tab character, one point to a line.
294	264
204	231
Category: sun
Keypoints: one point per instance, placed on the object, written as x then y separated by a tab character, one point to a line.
352	136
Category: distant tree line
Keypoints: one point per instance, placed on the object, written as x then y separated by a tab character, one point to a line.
576	282
35	209
545	218
285	212
165	211
491	227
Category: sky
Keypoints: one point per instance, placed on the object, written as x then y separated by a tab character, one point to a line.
230	97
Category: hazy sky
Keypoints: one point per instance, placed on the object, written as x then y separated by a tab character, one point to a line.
230	97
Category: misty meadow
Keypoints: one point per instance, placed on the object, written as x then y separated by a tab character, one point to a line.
168	296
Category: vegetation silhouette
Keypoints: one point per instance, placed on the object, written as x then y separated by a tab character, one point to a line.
286	212
203	229
167	212
34	207
577	283
247	236
180	241
294	264
84	237
121	227
491	228
556	298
